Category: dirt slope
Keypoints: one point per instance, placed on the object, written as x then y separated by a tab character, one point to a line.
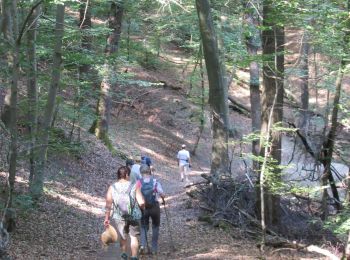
67	222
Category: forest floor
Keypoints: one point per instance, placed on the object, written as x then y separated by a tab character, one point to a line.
68	220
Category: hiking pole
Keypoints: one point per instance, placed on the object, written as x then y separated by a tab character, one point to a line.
167	216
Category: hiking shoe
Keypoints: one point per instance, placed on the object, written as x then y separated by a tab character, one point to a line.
142	250
133	258
124	256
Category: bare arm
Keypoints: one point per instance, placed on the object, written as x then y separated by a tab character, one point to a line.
139	198
108	207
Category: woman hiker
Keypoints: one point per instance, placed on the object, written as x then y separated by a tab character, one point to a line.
124	202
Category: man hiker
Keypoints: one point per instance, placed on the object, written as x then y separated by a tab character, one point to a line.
135	174
124	202
184	162
147	160
151	190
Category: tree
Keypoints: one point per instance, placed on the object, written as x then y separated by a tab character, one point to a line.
13	58
218	96
36	186
101	125
272	101
252	43
304	80
32	89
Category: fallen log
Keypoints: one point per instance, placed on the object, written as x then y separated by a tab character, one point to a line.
240	108
279	242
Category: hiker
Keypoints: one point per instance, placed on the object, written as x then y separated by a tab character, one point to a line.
135	174
151	190
184	162
129	162
123	203
147	160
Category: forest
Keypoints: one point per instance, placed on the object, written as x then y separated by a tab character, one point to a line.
257	90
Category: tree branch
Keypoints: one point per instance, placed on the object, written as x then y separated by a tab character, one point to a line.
26	21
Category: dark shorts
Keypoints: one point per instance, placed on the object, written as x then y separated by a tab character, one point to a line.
128	227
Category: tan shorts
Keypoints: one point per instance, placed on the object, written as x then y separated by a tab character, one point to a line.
124	227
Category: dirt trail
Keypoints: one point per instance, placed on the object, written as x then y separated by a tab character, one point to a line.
192	239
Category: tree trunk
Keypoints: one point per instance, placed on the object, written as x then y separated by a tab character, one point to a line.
36	186
85	25
32	91
202	119
104	101
347	248
304	80
217	92
7	30
252	48
14	61
273	69
328	147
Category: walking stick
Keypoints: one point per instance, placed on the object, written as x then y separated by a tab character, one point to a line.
167	216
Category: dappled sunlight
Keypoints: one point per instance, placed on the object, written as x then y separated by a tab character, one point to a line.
95	206
18	179
71	197
215	253
157	156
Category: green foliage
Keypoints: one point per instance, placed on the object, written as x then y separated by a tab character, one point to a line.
24	202
340	223
60	143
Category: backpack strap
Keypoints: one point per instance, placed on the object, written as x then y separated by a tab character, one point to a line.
155	184
132	201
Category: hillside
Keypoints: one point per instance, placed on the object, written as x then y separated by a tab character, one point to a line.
68	220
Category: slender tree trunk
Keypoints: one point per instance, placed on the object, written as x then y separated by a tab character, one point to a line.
328	147
218	96
32	91
304	80
100	127
202	121
85	25
36	186
7	30
347	194
273	69
252	48
14	60
347	248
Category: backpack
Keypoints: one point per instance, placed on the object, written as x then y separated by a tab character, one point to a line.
149	192
124	203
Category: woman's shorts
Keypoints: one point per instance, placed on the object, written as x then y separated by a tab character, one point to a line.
127	227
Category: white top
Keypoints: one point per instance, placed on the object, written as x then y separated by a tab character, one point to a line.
135	173
183	156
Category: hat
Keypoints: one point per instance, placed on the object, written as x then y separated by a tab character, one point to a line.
183	146
109	236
